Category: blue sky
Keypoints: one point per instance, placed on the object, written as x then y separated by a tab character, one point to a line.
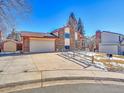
48	15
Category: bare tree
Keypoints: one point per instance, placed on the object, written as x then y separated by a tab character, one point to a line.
12	10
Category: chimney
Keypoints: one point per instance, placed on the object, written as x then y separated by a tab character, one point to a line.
98	39
0	36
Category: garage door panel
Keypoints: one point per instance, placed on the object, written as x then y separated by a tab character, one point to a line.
42	45
108	49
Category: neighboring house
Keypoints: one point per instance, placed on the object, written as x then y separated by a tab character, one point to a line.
68	39
38	42
0	36
1	41
90	43
10	45
14	35
109	42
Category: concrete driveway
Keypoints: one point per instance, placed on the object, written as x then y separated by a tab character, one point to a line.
35	62
27	67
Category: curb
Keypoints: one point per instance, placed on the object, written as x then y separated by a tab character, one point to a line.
59	79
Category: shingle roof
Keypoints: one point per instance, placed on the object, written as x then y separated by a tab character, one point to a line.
113	33
56	30
36	34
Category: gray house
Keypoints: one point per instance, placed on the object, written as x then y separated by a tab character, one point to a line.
111	43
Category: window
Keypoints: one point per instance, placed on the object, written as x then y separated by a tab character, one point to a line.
67	47
61	36
67	35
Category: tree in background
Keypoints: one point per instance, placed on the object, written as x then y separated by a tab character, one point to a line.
14	35
80	27
72	21
11	11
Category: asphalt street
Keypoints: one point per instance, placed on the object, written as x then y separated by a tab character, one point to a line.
77	88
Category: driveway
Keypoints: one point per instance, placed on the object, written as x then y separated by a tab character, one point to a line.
35	62
28	67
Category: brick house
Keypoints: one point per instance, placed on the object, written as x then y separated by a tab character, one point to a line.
94	41
68	38
62	38
1	41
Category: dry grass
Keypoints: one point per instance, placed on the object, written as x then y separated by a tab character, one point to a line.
119	56
110	67
109	61
100	55
103	60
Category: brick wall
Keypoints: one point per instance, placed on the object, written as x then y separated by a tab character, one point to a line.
25	45
0	36
80	41
72	38
60	41
98	39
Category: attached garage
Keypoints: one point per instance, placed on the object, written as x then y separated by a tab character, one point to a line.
42	45
111	49
38	42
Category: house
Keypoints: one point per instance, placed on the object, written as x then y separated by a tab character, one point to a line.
10	45
110	42
0	41
14	35
70	36
37	42
62	38
68	39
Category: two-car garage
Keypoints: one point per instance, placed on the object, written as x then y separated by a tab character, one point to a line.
38	42
42	45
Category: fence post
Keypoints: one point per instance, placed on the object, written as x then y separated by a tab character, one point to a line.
92	59
41	80
73	53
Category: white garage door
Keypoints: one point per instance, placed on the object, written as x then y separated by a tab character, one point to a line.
42	45
108	49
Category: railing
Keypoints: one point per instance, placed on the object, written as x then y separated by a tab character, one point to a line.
83	57
79	55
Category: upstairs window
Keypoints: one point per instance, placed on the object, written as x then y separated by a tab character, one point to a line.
67	35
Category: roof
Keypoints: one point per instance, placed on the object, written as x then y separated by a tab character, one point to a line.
113	33
36	34
57	30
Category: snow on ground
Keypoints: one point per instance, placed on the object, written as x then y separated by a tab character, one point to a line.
101	65
115	58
